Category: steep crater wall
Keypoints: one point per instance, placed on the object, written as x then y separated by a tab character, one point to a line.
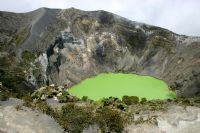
96	44
72	45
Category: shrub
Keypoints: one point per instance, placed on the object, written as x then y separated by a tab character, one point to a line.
4	93
27	100
2	45
196	99
143	100
45	108
129	100
62	99
135	38
15	81
74	118
172	95
122	106
85	98
110	120
107	101
27	56
67	98
184	101
18	107
3	96
110	101
21	36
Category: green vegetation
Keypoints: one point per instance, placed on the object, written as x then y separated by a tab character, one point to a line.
172	94
85	98
162	39
152	105
21	36
110	114
106	18
12	80
4	93
136	38
159	41
67	98
75	118
119	85
129	100
17	37
2	45
143	100
3	96
28	56
36	72
110	120
78	114
13	76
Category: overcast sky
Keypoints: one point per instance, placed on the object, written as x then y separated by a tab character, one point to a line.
180	16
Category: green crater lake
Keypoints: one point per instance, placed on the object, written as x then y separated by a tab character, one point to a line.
117	85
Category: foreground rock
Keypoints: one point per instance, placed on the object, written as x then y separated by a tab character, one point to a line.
25	120
176	119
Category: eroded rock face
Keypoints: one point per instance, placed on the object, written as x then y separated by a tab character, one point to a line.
73	45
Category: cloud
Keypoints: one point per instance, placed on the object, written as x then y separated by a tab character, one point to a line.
180	16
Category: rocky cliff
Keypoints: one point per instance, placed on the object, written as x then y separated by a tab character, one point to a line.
63	47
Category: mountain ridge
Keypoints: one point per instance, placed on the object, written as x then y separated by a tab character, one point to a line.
71	45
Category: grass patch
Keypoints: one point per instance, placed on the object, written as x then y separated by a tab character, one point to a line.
129	100
2	45
21	36
74	118
4	93
28	56
13	77
110	120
